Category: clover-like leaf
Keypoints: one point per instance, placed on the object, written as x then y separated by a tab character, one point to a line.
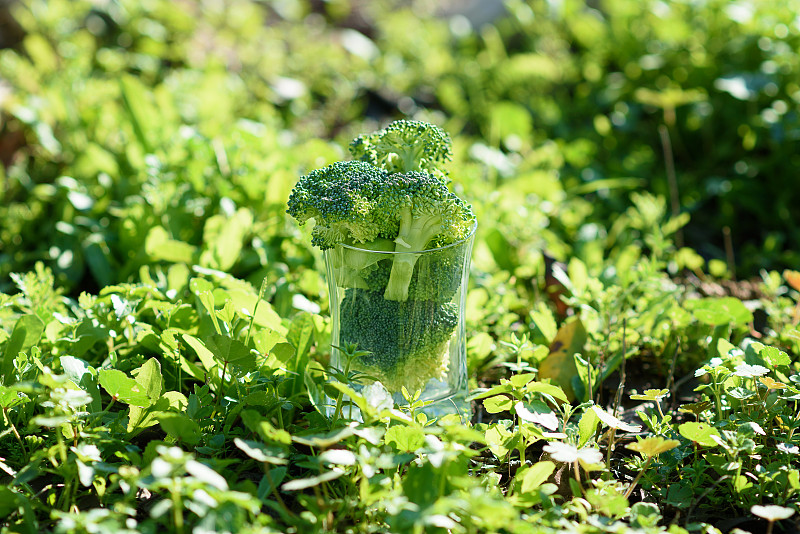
653	446
651	395
701	433
695	408
745	370
614	422
566	453
769	383
772	512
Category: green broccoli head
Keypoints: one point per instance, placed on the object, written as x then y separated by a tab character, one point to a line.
342	200
427	213
407	341
404	146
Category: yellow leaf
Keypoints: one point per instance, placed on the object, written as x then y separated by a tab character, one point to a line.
559	365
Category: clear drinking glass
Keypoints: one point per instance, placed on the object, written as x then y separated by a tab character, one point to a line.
417	342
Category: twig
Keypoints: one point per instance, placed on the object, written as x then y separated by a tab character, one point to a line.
729	257
672	179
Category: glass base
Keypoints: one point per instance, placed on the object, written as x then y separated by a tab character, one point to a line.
455	404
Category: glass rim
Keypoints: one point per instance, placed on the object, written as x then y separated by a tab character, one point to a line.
464	239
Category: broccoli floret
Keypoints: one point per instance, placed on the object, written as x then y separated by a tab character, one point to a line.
426	210
408	341
404	146
341	198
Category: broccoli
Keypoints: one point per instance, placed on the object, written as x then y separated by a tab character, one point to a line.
392	199
407	341
341	198
425	210
405	146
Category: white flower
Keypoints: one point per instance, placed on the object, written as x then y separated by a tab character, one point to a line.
750	371
563	452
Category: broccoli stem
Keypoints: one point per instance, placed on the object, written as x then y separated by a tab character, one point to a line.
410	157
415	233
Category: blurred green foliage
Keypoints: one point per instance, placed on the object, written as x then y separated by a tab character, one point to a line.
570	105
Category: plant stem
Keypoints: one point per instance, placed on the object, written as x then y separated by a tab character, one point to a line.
177	511
255	310
672	179
16	434
638	476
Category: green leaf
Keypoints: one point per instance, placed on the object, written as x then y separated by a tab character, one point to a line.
9	397
587	426
140	110
479	394
84	376
224	237
149	377
259	452
559	365
535	475
301	333
542	317
500	440
206	356
259	424
653	446
266	316
720	311
305	483
405	438
26	333
140	418
537	412
775	357
651	395
233	351
520	380
700	433
271	480
608	502
497	404
548	389
123	388
8	501
180	427
159	246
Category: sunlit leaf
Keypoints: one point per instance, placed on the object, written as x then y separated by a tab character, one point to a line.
772	512
651	395
123	388
653	446
613	422
701	433
559	365
535	475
